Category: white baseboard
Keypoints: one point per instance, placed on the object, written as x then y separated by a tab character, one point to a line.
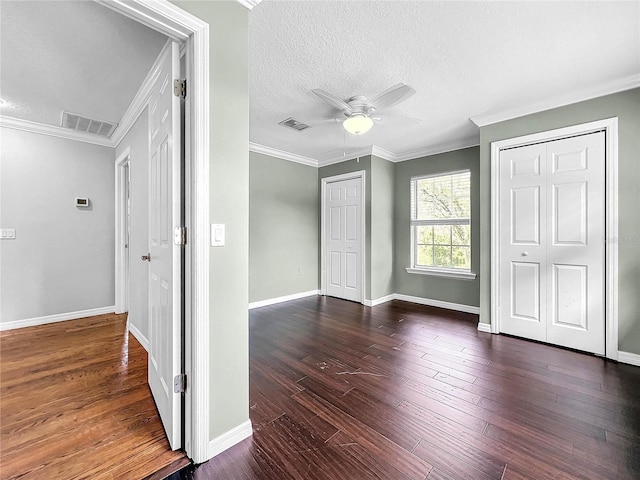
286	298
139	336
59	317
630	358
484	327
230	438
437	303
379	301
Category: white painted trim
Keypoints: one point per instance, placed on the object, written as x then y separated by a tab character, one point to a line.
249	3
630	358
230	438
58	317
484	327
50	130
379	301
281	154
384	154
619	85
363	224
610	127
120	231
442	273
183	27
437	149
347	156
139	336
285	298
140	100
437	303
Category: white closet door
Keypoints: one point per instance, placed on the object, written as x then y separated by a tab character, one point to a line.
523	242
576	249
552	242
343	254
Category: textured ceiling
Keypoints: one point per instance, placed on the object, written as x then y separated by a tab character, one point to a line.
463	58
71	55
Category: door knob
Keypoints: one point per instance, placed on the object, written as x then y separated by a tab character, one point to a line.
524	254
146	258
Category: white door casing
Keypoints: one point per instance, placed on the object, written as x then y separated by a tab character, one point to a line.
164	265
549	267
343	236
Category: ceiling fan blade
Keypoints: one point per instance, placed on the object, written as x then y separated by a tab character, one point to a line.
392	96
332	99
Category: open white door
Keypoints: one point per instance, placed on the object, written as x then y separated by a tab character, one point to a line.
164	262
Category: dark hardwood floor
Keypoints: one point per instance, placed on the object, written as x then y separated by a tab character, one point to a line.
402	391
75	404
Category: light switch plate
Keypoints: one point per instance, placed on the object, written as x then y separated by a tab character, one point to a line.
217	234
8	234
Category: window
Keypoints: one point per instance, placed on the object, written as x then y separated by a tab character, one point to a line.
441	225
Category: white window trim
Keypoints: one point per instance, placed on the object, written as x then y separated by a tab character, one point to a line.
458	273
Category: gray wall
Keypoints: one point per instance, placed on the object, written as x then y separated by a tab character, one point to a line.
464	292
137	139
62	259
382	227
229	184
283	227
625	106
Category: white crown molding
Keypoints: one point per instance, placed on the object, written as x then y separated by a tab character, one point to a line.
249	3
436	149
384	154
274	152
52	131
345	157
141	98
615	86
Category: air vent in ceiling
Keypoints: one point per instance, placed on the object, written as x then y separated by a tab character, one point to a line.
84	124
295	124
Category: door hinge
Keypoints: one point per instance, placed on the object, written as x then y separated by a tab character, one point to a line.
180	383
180	236
180	88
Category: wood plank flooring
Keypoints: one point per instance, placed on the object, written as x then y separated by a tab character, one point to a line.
402	391
75	404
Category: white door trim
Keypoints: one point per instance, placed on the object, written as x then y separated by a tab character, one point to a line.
323	268
121	228
610	127
184	28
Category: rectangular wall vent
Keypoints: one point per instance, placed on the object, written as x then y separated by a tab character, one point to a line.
295	124
84	124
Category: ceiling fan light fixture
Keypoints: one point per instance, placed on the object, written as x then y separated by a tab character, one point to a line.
358	124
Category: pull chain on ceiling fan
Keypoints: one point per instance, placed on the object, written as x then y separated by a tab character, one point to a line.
358	109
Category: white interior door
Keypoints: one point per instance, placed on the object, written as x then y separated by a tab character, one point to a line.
164	265
343	239
552	247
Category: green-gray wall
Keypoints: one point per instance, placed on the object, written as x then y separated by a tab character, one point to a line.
283	227
229	204
463	292
625	106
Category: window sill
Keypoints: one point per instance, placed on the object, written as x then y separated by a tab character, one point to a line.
443	273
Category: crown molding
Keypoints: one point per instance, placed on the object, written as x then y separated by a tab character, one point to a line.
52	131
346	156
384	154
141	98
440	148
274	152
249	4
620	85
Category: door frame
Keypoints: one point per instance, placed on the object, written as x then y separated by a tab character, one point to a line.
610	128
121	253
193	34
323	217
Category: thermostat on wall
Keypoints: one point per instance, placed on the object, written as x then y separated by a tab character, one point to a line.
82	202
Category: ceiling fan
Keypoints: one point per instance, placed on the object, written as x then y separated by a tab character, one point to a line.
359	110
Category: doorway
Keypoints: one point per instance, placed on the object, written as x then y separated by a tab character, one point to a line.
343	233
554	214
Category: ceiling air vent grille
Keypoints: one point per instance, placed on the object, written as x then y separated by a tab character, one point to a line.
84	124
295	124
